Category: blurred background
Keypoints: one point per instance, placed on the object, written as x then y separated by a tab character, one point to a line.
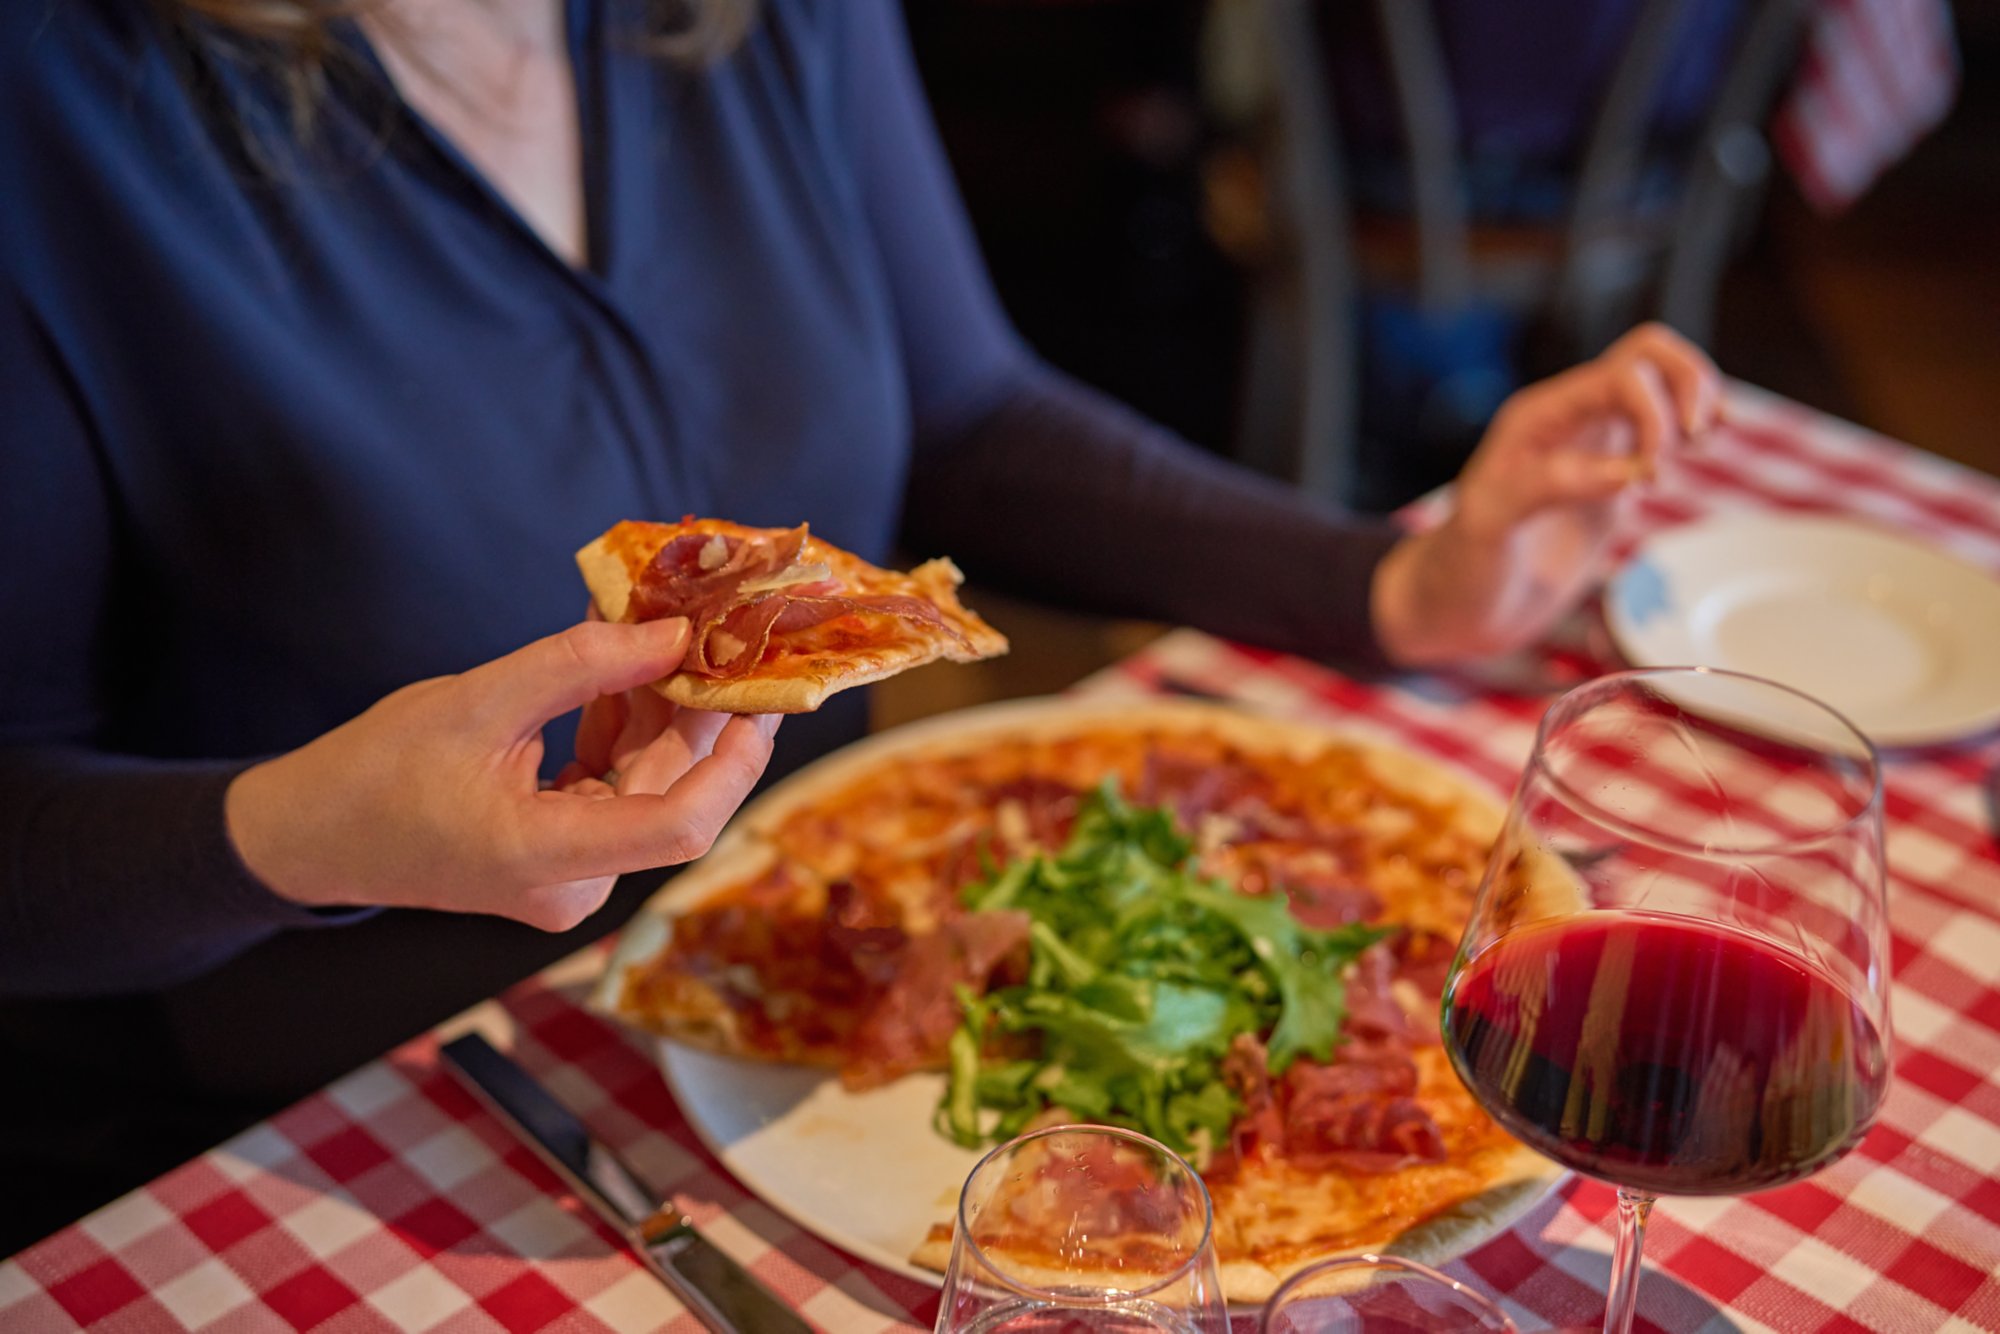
1328	238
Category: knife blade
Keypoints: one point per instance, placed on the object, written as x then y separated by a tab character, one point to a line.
721	1293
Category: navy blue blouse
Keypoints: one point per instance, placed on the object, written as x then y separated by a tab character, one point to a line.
285	427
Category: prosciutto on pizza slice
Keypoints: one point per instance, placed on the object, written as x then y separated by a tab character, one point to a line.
779	620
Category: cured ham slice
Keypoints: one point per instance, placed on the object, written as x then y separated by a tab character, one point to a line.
1357	1113
738	592
1423	961
1360	1114
1373	1012
1034	813
910	1026
862	933
1246	1068
706	572
778	619
732	642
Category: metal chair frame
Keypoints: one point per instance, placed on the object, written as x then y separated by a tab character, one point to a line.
1299	412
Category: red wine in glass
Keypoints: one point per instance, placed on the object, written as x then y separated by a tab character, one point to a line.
1675	973
1666	1054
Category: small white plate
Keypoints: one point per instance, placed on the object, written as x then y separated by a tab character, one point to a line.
1901	638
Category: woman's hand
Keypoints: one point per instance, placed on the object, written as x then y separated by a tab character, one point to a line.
430	799
1536	501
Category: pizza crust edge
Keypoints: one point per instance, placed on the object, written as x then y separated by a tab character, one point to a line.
1521	1181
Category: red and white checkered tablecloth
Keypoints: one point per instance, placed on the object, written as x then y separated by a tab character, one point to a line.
391	1202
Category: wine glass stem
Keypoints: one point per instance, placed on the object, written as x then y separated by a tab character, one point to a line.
1633	1207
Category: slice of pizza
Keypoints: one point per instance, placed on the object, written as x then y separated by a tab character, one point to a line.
779	619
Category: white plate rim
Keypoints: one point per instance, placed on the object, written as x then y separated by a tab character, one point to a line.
1631	639
775	1195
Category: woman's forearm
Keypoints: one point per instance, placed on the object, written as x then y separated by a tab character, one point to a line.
1060	492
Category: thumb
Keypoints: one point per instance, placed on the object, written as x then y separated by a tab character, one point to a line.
551	676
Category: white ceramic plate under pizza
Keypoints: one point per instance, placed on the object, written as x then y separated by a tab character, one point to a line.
866	1171
1900	637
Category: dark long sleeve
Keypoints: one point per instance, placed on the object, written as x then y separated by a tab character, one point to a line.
1060	492
1034	481
116	872
119	875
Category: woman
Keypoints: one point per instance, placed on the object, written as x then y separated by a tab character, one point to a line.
323	344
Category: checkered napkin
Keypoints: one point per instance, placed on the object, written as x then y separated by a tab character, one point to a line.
391	1202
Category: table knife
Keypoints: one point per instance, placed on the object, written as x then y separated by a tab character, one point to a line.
720	1292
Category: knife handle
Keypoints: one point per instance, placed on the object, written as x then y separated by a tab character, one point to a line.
716	1290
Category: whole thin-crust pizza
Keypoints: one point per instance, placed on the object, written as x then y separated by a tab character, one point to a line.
778	619
848	915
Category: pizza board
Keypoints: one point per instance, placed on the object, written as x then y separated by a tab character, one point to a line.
866	1172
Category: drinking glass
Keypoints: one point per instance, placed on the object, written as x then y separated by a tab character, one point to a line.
1378	1294
1673	978
1076	1229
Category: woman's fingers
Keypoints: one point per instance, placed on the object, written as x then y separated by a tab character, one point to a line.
1642	398
1563	449
522	691
1583	478
580	839
648	715
1692	378
692	737
700	727
662	742
597	732
429	798
1621	401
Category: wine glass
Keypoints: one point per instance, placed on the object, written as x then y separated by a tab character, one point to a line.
1075	1229
1378	1294
1673	978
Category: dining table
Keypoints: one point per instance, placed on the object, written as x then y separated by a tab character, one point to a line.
392	1201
